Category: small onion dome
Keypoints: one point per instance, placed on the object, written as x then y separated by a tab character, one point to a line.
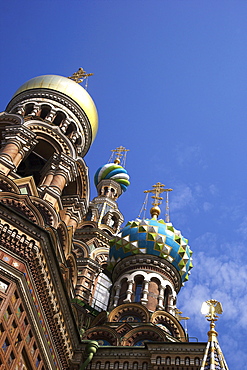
114	172
67	87
153	237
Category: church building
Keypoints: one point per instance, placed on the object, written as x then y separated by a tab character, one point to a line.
78	289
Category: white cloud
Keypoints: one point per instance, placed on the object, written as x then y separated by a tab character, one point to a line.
213	189
186	155
222	277
243	228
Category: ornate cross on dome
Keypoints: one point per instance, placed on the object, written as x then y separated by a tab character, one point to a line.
80	75
119	154
157	190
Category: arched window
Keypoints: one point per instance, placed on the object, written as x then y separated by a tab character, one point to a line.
59	118
187	361
71	129
138	288
102	292
116	365
197	361
107	365
28	109
135	365
144	366
167	296
125	365
158	360
168	360
123	290
45	110
34	163
98	365
177	361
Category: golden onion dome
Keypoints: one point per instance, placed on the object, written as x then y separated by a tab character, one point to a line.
67	87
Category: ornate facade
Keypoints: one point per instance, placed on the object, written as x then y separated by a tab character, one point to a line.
76	290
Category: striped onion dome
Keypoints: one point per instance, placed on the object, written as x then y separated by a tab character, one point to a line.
112	171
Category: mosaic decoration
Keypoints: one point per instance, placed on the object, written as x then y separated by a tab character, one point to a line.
213	358
114	172
155	237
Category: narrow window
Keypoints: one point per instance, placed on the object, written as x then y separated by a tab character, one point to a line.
177	361
168	360
45	110
59	118
158	361
28	109
197	361
187	361
144	366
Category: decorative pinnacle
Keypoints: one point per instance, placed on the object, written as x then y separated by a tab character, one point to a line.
210	309
80	75
119	155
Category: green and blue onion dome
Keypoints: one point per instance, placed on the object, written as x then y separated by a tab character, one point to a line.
152	237
112	171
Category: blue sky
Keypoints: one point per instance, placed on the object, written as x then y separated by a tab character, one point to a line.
170	84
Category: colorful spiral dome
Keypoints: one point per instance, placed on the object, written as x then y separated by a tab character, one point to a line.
153	237
114	172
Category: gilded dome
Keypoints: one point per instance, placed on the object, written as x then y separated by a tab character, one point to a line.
152	237
67	87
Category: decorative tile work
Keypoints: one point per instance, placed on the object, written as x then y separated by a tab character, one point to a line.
155	237
213	357
19	309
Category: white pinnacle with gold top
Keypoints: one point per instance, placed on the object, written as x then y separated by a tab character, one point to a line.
213	357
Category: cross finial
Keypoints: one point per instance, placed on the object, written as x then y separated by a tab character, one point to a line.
119	155
157	190
80	75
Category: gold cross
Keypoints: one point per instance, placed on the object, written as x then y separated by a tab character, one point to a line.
80	75
119	152
157	190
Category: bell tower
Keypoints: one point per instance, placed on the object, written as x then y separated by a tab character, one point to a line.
101	223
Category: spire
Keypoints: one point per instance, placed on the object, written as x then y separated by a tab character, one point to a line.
213	357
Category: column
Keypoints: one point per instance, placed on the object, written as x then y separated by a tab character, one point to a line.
18	141
144	299
129	291
116	297
161	298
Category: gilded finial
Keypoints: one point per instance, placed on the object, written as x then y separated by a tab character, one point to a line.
119	155
210	309
80	75
157	190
